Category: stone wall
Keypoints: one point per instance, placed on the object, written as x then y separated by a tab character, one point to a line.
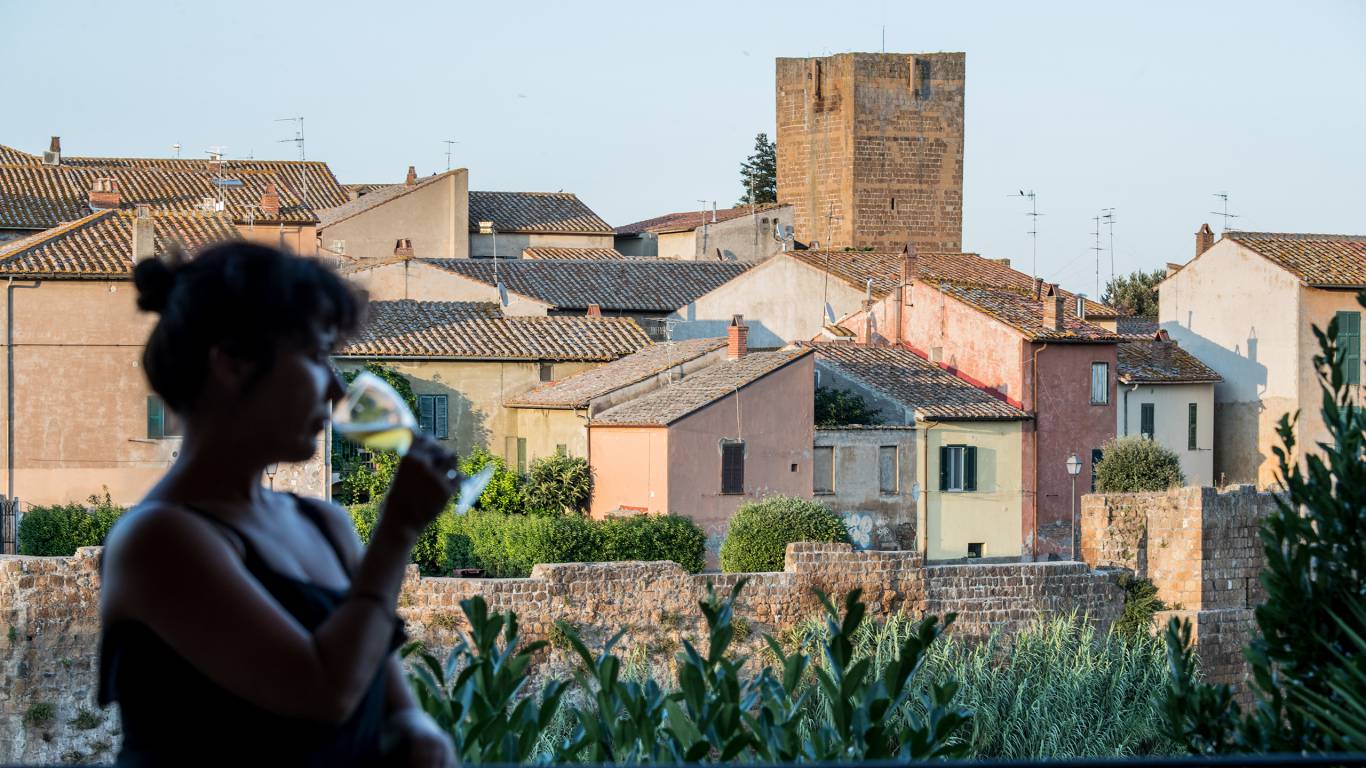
50	607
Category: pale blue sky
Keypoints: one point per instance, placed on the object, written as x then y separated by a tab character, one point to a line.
645	107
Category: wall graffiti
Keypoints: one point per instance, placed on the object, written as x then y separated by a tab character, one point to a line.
860	525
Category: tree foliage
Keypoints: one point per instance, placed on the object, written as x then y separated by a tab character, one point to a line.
838	408
61	529
366	474
759	173
1134	293
761	530
504	491
1133	464
557	485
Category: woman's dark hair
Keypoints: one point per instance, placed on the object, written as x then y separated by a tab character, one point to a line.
243	297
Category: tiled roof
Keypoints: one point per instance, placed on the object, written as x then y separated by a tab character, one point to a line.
40	196
574	254
307	180
1021	311
669	404
535	212
1317	260
1136	325
100	245
685	221
11	155
456	330
884	268
360	190
1160	361
578	390
632	285
932	392
376	197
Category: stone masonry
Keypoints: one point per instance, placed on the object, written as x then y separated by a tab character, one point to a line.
874	140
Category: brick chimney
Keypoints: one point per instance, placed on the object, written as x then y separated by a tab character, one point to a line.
104	193
403	247
737	338
595	310
144	234
1052	307
270	202
1038	289
412	176
902	295
53	155
1081	306
1203	239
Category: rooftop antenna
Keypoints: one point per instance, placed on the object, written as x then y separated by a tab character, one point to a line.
1108	216
298	141
176	147
1033	214
448	143
1097	249
215	154
1224	196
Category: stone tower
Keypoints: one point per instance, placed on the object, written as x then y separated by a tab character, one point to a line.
876	139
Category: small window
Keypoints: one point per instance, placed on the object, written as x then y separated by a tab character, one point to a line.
823	469
957	468
1100	383
974	549
733	467
162	421
561	449
887	470
922	75
1191	426
547	372
1349	344
1146	417
514	452
433	415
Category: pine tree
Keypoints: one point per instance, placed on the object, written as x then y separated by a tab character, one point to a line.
759	172
1134	294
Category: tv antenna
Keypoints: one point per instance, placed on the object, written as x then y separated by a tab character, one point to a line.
448	143
1224	196
1108	216
298	141
176	147
1033	214
1097	249
215	154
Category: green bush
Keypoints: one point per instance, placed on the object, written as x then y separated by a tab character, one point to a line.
654	537
1133	464
1141	604
760	532
836	408
429	553
558	484
61	529
504	491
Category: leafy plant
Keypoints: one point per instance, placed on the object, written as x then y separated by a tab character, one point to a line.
1133	464
760	532
1141	603
366	475
40	714
557	485
61	529
654	537
838	408
504	491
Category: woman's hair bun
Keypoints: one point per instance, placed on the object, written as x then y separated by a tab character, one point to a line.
154	279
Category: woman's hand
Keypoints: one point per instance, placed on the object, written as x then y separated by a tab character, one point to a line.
414	740
426	479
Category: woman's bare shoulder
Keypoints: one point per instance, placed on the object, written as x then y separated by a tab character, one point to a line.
156	540
339	524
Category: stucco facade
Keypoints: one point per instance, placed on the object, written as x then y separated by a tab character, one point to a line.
510	244
417	280
1171	404
881	516
434	215
991	515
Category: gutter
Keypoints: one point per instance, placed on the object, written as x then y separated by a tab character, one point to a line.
9	382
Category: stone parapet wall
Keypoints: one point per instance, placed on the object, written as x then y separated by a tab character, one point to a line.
1008	597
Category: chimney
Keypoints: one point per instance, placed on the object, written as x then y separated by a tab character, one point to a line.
1052	307
104	193
1203	239
144	234
595	310
412	176
215	164
737	338
1081	306
1162	335
1038	289
270	202
902	295
1173	268
53	155
403	247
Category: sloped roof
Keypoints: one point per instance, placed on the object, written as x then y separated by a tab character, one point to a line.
1136	325
1021	311
685	221
308	180
100	245
580	389
1160	361
574	254
669	404
1325	261
629	285
12	155
455	330
375	197
932	392
535	213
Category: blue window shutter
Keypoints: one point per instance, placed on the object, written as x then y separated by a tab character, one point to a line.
426	407
442	428
156	417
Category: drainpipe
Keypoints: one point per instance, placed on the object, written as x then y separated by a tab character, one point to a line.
1131	388
9	382
923	505
1034	397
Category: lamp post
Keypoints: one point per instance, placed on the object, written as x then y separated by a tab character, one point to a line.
1074	469
271	469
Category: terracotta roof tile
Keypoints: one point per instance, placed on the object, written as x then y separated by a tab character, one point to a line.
453	330
1160	361
916	383
100	245
1317	260
574	254
1021	311
308	180
630	285
685	221
669	404
535	212
10	155
1135	325
579	390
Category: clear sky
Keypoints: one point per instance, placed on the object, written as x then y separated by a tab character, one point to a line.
642	108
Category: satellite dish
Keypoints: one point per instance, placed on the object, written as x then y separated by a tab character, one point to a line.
502	293
829	314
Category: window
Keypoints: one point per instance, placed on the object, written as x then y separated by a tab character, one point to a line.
1146	417
922	76
1100	383
1349	341
1096	455
514	450
823	469
547	372
1191	429
432	413
561	449
957	468
732	467
161	421
887	470
974	549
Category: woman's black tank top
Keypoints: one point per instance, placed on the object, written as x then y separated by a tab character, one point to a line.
174	715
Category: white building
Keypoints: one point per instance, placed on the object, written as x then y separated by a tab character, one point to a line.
1167	395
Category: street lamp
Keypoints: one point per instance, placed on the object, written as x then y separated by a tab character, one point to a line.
1074	469
271	469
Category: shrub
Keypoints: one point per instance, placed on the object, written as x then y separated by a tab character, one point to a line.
655	537
836	408
1132	464
760	532
40	714
1140	605
504	491
558	484
429	553
61	529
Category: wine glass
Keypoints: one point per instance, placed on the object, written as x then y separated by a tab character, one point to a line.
375	416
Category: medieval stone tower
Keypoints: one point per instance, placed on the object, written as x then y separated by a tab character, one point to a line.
870	149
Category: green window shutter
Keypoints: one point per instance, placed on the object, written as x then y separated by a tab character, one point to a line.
426	409
1349	341
970	468
442	425
1147	420
156	417
943	467
1192	424
521	455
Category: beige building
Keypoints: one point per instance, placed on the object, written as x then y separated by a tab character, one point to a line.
524	220
1263	348
1166	395
465	361
429	214
943	458
742	233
